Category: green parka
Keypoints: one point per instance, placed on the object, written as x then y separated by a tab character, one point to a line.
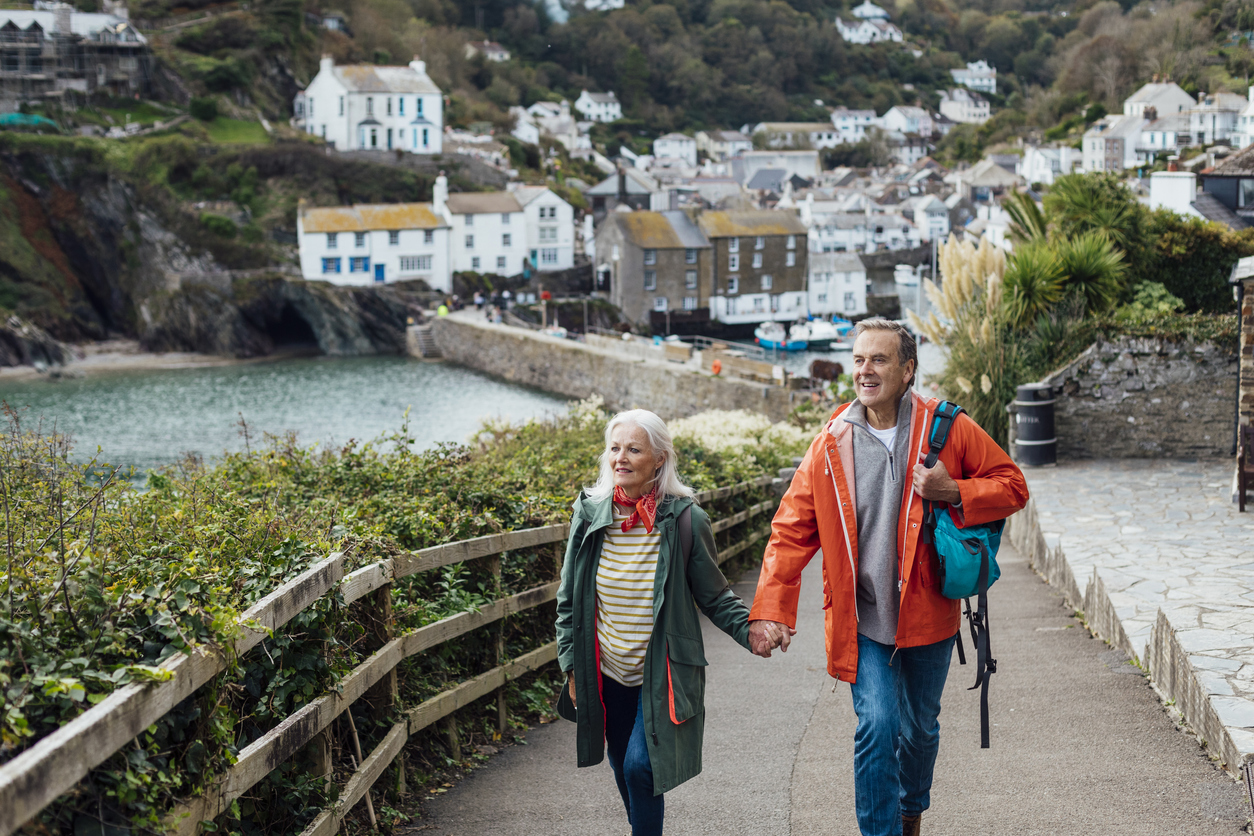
674	664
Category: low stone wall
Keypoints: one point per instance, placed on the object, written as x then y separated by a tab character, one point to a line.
1145	398
672	390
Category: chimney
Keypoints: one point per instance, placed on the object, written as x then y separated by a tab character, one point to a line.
439	196
1151	113
326	64
61	19
565	109
1173	164
622	184
674	199
419	66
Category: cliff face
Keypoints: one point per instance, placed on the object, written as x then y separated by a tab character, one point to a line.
86	253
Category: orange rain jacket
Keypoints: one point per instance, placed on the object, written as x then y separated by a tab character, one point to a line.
818	511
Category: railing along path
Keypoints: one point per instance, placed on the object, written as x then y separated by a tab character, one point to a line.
35	778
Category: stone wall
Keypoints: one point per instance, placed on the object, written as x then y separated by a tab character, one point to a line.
1146	398
1247	352
565	367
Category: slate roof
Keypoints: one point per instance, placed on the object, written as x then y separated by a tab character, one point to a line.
482	203
526	194
1212	210
660	230
767	179
762	222
367	78
1239	164
367	217
637	183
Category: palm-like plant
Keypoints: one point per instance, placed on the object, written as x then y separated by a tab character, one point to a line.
1081	203
1091	264
1033	281
1027	222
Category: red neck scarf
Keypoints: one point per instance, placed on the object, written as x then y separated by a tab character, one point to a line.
646	508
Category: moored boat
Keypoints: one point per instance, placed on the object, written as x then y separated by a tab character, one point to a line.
771	335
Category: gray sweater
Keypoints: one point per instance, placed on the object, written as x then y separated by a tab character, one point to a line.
879	481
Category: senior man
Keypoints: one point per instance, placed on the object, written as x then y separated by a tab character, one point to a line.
890	633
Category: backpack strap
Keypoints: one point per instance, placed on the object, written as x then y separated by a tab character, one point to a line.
942	421
985	665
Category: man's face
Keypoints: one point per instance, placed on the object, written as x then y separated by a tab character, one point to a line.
879	376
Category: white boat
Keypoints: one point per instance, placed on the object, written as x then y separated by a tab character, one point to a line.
771	335
818	334
904	274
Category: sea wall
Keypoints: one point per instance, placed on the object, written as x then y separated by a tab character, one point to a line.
565	367
1146	398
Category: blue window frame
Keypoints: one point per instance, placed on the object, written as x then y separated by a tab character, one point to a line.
359	264
330	265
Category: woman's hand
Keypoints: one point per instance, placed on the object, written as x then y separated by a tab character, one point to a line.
570	683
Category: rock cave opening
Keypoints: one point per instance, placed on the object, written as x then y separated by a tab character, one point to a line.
292	333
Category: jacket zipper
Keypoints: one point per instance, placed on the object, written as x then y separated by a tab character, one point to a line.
844	529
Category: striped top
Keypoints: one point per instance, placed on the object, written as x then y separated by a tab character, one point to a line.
625	578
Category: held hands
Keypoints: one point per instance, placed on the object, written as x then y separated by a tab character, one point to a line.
765	636
935	484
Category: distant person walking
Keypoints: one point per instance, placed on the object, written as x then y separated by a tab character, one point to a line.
890	632
635	666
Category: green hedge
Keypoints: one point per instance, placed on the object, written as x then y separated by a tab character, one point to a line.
106	579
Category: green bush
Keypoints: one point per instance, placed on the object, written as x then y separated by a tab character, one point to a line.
219	225
204	108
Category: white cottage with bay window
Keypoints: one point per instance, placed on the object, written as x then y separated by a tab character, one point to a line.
374	244
358	107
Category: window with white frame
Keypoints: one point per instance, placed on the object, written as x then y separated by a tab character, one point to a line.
359	239
470	242
330	265
650	256
548	233
650	280
470	220
690	303
548	255
500	262
790	259
394	237
410	263
849	302
733	245
505	219
822	297
507	240
359	264
690	278
389	106
733	284
333	240
400	104
767	281
428	236
341	105
733	262
792	242
757	260
370	106
659	303
690	256
474	263
759	243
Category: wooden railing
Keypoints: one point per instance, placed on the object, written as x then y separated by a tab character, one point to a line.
35	778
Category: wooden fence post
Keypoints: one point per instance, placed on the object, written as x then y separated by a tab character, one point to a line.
502	713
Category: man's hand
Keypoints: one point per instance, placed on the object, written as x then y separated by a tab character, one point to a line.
935	484
570	683
765	636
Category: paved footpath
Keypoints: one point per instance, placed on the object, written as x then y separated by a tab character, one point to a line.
1081	745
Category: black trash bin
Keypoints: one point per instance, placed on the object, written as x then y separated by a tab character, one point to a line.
1035	444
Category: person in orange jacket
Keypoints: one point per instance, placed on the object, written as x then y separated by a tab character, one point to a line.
857	495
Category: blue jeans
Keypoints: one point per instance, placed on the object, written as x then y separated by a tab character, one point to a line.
629	757
897	700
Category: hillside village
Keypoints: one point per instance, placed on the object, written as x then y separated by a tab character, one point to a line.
579	189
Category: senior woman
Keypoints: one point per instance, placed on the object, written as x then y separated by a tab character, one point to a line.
640	553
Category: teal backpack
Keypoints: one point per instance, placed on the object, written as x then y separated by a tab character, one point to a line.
968	564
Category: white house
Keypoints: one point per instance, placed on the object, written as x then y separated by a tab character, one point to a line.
868	31
906	149
963	105
869	11
978	76
1163	96
1043	165
836	232
491	50
676	146
852	125
550	223
1243	135
908	120
599	107
836	284
1214	118
1110	144
720	145
556	120
360	245
488	231
892	232
930	216
525	127
362	106
1164	135
798	134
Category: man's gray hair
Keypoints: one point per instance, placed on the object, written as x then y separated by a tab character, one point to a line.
907	348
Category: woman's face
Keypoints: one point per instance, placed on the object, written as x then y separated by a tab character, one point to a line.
633	460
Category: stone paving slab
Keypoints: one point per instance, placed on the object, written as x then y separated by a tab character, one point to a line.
1156	555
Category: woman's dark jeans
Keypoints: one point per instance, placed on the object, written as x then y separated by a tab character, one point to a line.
629	756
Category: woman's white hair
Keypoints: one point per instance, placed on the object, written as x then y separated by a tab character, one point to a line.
659	436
